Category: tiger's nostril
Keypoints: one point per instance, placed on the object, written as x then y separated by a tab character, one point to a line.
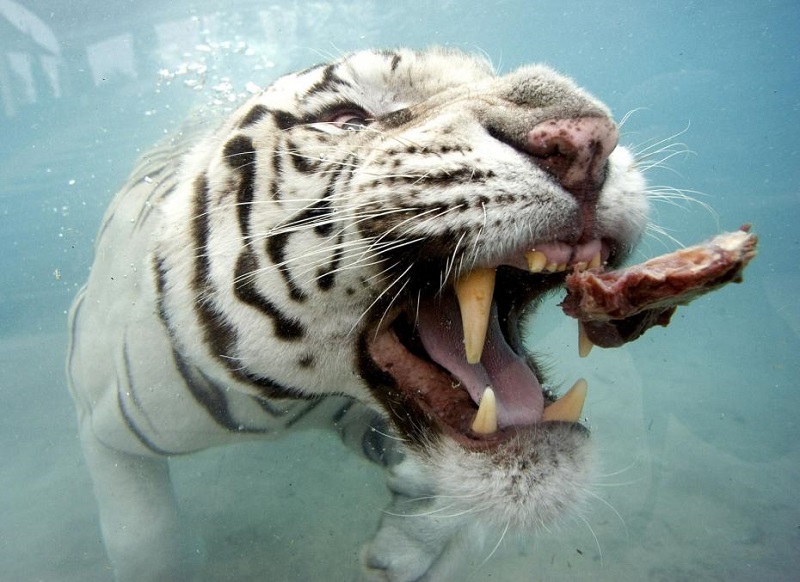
574	151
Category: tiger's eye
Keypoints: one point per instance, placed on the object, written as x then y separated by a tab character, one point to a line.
350	119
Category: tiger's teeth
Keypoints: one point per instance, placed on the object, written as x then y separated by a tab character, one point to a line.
568	408
536	261
474	292
596	261
486	420
585	345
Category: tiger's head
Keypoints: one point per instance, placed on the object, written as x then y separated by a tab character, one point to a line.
402	214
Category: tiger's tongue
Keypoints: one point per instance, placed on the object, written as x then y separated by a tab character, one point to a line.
517	390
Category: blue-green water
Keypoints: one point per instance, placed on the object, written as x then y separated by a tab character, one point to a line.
697	424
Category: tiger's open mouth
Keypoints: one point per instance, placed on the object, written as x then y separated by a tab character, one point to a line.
454	360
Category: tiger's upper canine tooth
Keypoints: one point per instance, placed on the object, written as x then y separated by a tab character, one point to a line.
585	345
486	420
536	261
474	292
568	408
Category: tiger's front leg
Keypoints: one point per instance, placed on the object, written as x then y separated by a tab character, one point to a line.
422	536
143	533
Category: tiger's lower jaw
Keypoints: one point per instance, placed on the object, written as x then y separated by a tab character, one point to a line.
524	466
423	372
538	476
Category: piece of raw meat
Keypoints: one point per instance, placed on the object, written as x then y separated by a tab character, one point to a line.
616	307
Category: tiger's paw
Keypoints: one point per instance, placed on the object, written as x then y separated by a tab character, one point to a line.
399	553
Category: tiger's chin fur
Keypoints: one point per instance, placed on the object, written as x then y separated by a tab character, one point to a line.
301	266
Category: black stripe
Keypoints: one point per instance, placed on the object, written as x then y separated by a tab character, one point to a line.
271	408
240	155
324	208
317	214
215	327
276	250
278	410
329	81
218	334
204	391
129	422
373	446
314	402
302	163
107	220
160	273
326	277
373	431
253	116
285	120
277	171
245	289
270	388
395	62
337	416
239	152
138	433
221	337
211	397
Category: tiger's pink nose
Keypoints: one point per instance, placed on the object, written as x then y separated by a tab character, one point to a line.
574	151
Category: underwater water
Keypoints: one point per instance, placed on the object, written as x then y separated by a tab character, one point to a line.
696	424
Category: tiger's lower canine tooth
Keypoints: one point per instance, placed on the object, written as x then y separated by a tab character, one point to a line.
568	408
585	345
474	292
486	420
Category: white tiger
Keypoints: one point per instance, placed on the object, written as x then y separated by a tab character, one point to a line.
357	248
